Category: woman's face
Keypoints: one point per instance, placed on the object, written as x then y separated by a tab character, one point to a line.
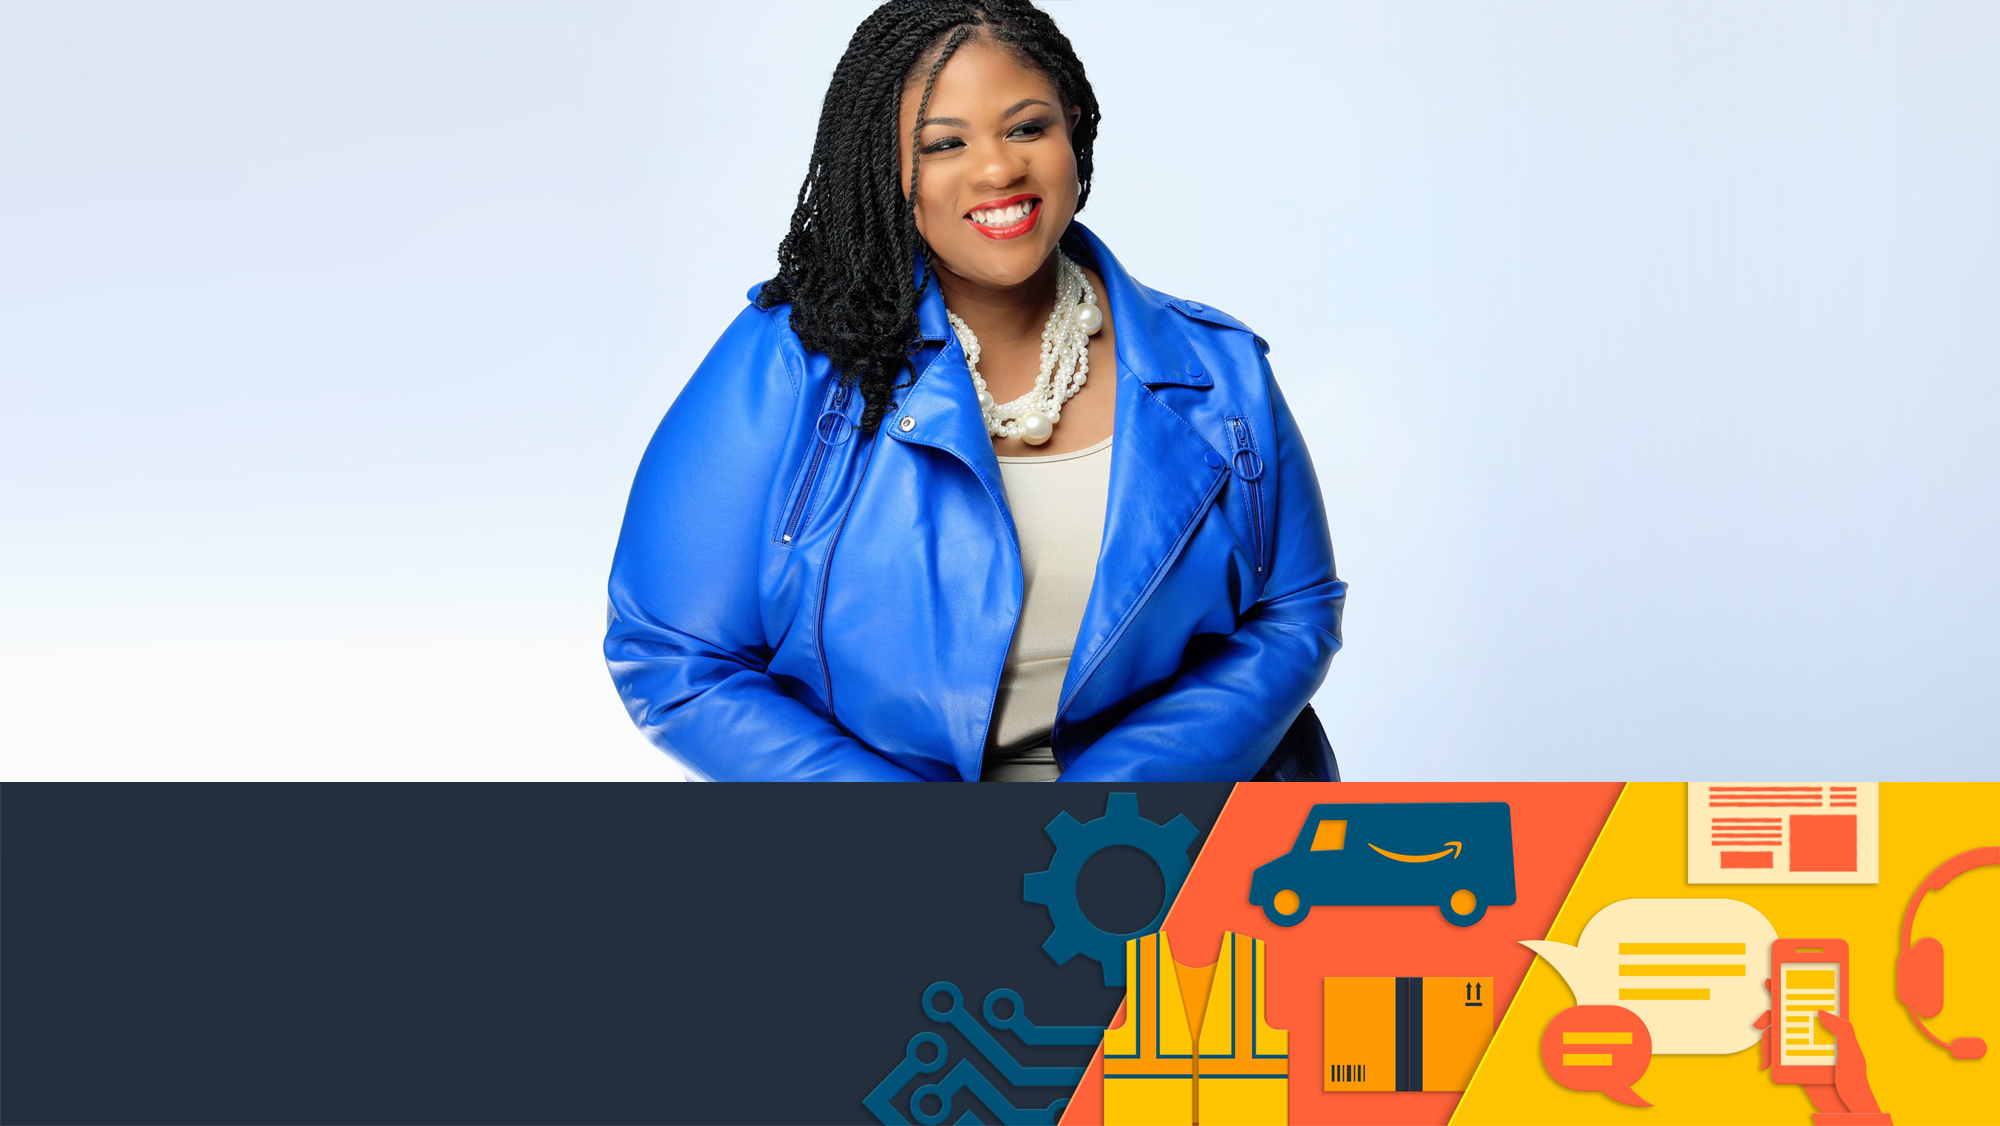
997	186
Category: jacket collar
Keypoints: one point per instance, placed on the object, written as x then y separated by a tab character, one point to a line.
1151	343
1152	349
932	325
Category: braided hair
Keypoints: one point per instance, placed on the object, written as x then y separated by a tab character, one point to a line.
848	264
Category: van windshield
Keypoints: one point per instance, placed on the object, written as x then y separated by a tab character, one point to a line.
1329	835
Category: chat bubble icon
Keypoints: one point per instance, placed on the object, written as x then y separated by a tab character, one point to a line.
1598	1048
1693	969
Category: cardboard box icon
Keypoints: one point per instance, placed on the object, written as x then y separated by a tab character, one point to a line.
1405	1033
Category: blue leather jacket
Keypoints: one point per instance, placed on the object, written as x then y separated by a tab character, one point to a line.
794	600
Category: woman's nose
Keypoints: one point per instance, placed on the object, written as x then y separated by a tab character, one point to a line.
1000	167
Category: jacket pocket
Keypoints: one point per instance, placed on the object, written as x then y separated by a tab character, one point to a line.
1248	465
832	428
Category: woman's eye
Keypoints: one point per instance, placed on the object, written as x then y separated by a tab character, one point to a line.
942	144
1030	129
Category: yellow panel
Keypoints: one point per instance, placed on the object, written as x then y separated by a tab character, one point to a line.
1330	835
1587	1060
1360	1039
1243	1102
1458	1021
1148	1100
1642	853
1810	979
1597	1038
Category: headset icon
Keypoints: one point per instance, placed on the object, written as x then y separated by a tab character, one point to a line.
1920	968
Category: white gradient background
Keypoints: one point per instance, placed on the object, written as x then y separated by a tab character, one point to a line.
1647	353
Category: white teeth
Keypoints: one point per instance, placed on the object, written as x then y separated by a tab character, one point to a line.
1003	216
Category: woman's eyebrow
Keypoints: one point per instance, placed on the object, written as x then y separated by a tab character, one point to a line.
959	123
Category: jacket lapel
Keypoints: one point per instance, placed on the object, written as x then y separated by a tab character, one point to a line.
943	413
943	407
1163	473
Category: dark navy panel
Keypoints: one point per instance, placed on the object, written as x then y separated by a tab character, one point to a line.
528	953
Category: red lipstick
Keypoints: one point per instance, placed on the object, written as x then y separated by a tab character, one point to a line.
1015	229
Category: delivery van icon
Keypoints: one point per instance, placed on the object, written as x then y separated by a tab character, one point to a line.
1456	855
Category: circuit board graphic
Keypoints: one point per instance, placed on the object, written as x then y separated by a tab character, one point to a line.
966	1075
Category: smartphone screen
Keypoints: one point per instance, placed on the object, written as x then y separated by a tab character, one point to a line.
1806	988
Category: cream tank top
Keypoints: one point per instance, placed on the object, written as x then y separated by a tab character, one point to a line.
1058	503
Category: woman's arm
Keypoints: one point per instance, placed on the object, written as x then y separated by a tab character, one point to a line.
686	641
1220	718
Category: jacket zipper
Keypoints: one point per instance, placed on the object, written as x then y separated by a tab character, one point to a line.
835	402
809	478
1250	470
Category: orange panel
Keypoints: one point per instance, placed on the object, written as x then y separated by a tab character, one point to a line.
1555	825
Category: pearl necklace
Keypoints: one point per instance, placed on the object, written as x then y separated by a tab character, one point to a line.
1065	360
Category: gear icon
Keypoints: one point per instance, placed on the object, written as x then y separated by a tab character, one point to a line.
1078	841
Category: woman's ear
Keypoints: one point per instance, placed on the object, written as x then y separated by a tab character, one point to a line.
1074	115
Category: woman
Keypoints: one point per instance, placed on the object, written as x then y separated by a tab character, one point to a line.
957	498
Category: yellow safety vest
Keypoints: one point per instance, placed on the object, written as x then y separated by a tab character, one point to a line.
1153	1074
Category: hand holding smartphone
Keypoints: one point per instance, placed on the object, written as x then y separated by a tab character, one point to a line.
1808	975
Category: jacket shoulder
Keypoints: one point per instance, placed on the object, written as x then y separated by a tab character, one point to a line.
761	338
1206	314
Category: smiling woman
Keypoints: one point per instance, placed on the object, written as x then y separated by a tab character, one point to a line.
956	498
993	124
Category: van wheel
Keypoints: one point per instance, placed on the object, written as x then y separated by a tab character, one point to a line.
1286	898
1463	909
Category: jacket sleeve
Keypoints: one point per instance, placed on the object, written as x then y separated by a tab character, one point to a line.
685	640
1223	714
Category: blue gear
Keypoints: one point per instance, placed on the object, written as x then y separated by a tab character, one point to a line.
1078	841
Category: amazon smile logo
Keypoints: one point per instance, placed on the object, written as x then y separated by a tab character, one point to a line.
1451	852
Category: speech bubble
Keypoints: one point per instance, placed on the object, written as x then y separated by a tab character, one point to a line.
1598	1048
1692	969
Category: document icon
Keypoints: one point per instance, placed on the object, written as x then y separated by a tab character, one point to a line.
1783	834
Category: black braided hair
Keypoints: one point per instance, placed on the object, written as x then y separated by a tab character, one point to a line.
848	264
